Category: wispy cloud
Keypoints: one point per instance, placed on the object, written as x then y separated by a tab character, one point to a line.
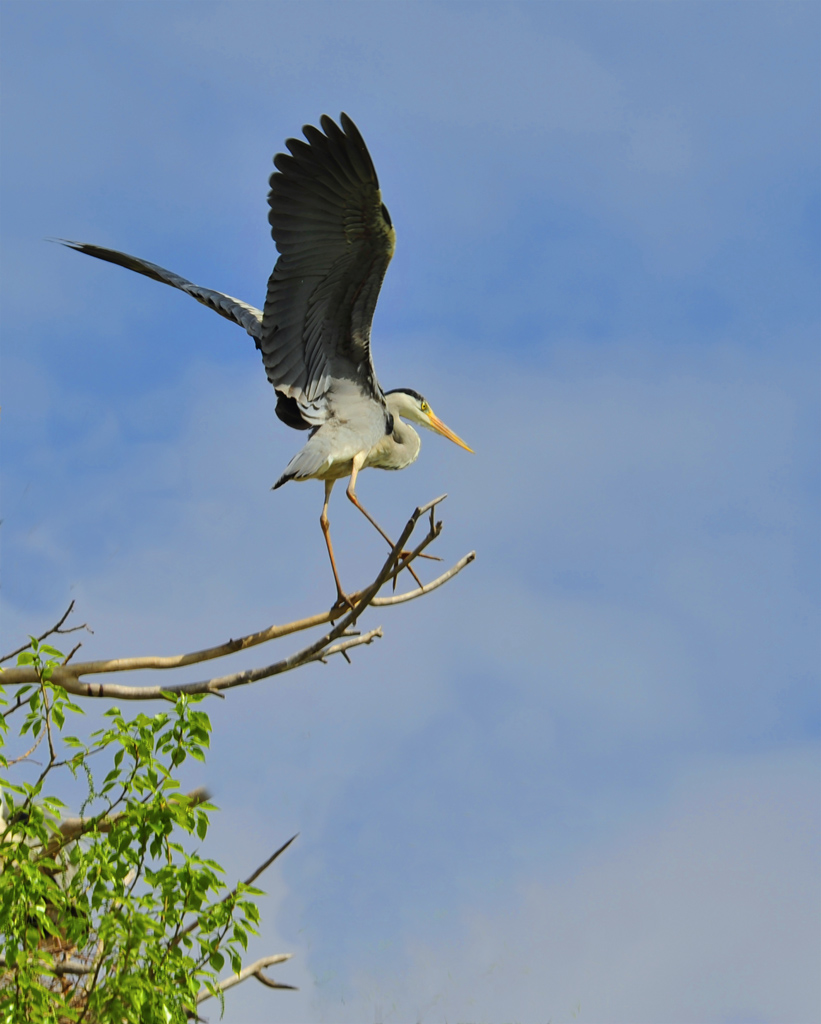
575	780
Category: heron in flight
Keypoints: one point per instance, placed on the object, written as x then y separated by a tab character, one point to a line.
335	240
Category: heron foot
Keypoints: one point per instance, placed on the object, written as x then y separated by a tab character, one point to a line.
342	605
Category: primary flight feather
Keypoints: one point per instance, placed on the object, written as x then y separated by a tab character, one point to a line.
335	239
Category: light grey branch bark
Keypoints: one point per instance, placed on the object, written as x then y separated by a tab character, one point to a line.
70	829
384	602
254	970
338	640
61	967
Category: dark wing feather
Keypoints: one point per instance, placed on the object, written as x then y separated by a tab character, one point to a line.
335	241
235	310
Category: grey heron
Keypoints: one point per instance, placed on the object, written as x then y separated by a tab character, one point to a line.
335	240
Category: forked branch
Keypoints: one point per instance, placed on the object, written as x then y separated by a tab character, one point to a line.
71	829
56	628
340	639
254	970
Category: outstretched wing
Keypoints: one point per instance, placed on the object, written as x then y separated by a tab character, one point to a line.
232	309
335	240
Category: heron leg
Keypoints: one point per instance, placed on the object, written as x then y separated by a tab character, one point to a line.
342	597
351	492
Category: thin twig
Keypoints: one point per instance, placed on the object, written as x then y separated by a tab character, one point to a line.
72	652
29	752
114	691
253	970
68	677
405	560
23	674
248	881
383	602
273	984
70	829
19	676
47	710
17	705
194	657
54	629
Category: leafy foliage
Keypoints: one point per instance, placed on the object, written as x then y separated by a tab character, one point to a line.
112	916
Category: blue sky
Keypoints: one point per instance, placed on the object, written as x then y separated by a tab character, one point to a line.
581	782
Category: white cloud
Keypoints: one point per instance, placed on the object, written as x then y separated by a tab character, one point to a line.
515	797
707	913
660	640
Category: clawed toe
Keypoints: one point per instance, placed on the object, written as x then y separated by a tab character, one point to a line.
342	605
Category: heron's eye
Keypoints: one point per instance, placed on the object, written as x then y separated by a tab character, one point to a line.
425	407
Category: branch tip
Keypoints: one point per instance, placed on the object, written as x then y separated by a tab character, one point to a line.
342	625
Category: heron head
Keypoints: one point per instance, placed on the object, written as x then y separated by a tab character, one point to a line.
410	405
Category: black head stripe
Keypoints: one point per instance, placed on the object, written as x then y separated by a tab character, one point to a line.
407	391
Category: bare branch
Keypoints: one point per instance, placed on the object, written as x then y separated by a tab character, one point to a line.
29	752
208	654
314	652
248	881
16	705
74	967
383	602
24	674
271	983
54	629
61	967
72	652
340	636
69	677
47	716
70	829
253	970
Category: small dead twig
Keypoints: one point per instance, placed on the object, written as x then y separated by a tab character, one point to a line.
383	602
72	652
57	628
254	970
337	640
16	705
29	752
248	881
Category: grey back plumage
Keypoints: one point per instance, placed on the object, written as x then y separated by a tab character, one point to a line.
335	240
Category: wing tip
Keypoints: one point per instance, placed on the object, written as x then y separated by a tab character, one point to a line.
283	480
67	242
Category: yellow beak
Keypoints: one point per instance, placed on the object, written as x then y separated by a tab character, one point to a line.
440	428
